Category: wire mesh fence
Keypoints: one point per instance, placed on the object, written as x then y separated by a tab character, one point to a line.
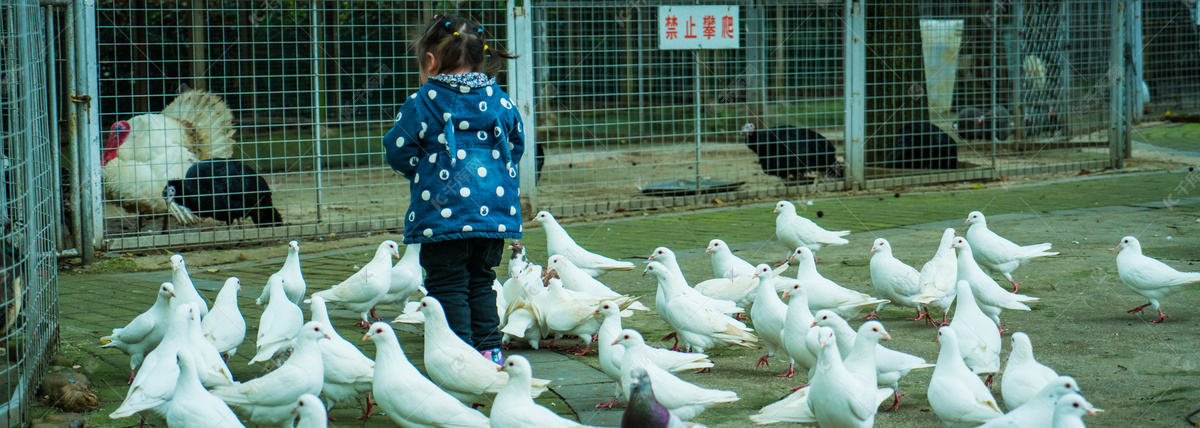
28	205
287	141
1170	49
299	94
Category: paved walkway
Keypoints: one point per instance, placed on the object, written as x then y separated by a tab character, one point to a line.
94	304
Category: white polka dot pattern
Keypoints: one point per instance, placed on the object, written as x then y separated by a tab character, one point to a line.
482	172
425	195
462	154
463	125
432	94
464	192
446	212
428	232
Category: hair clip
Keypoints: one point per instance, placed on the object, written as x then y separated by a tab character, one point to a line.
436	16
455	33
485	47
480	31
447	24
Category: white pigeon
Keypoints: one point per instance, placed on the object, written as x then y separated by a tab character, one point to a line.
269	399
195	406
893	279
514	409
184	289
839	397
956	394
1151	278
990	296
997	254
293	278
1039	410
279	324
348	372
890	365
568	312
362	291
408	397
1069	411
224	326
768	314
456	366
209	365
522	318
683	399
154	385
1023	375
610	355
796	231
938	277
665	256
558	242
696	323
826	294
977	336
576	279
724	263
143	334
738	289
310	413
797	322
407	278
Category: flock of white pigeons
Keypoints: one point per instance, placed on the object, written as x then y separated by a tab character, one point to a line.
179	348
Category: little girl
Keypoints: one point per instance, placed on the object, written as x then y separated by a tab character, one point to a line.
459	140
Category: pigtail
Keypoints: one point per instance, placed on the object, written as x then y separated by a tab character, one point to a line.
460	43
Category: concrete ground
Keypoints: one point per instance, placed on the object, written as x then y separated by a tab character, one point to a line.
1143	374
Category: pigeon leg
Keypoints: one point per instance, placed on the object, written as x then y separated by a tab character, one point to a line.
674	336
608	404
363	324
944	323
1138	309
377	318
799	387
919	315
763	361
132	372
988	382
477	406
1015	284
1161	317
740	317
896	403
704	370
582	351
791	370
872	315
366	414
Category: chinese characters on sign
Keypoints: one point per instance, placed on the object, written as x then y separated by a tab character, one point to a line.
697	27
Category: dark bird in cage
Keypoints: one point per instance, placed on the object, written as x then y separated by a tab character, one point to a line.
970	124
922	145
793	152
1041	119
998	124
224	190
540	160
142	152
975	125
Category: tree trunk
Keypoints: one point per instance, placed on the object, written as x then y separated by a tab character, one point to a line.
895	73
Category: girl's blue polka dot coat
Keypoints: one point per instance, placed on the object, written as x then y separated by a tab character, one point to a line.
459	140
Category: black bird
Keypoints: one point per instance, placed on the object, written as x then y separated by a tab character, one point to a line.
922	145
224	190
644	411
789	151
970	124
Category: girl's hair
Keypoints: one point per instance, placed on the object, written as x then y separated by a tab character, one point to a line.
458	42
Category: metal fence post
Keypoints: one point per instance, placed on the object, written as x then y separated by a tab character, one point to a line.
86	98
520	87
1115	74
855	94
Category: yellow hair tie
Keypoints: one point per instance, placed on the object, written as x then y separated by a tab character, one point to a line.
485	47
455	33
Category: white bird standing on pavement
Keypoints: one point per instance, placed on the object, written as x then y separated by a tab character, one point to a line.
683	399
724	263
293	278
977	336
144	333
559	242
185	291
1038	411
768	314
988	294
456	366
826	294
195	406
1069	411
611	355
363	290
893	279
998	254
279	325
890	365
514	408
268	399
839	397
956	394
225	327
796	324
408	397
407	278
692	315
348	372
796	231
576	279
938	278
210	366
1023	375
310	413
1149	277
154	386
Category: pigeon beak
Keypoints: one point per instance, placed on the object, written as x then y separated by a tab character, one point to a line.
615	342
327	336
755	275
294	410
1118	247
366	337
596	312
643	273
967	222
887	336
1093	412
174	267
708	250
173	295
652	257
776	210
952	246
499	368
873	249
814	324
786	293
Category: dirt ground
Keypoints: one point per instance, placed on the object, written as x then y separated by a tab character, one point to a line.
1142	374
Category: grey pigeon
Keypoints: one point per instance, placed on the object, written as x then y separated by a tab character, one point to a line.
644	411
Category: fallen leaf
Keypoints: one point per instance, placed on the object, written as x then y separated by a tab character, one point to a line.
211	270
591	165
976	186
718	201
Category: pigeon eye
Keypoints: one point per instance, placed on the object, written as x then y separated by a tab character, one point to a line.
379	330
